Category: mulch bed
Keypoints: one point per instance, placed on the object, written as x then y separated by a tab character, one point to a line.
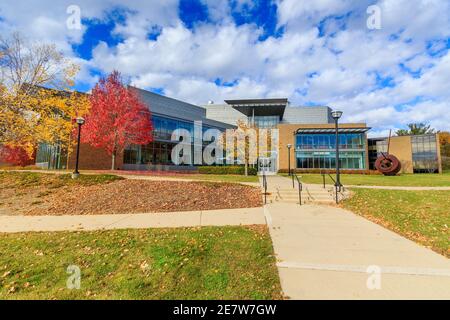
139	196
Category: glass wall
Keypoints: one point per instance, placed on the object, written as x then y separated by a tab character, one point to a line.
424	153
266	122
163	127
159	151
153	153
317	151
51	156
328	141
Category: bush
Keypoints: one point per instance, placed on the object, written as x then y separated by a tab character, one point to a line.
240	170
331	171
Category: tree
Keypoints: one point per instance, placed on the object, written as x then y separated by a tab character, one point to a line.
36	101
444	138
15	155
245	150
117	118
415	129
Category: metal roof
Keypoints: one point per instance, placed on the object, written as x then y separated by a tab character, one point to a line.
260	107
332	130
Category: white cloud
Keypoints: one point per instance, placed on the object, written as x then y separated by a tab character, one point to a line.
339	69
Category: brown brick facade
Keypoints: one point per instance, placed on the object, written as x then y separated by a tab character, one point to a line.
401	148
93	159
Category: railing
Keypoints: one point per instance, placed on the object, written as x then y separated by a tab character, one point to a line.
300	186
338	188
265	187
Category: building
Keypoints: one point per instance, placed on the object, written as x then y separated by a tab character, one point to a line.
310	131
167	115
417	153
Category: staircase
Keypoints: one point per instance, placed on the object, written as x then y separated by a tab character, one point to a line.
280	189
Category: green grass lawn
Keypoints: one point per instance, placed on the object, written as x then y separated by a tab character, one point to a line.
411	180
30	179
422	216
90	176
190	263
223	177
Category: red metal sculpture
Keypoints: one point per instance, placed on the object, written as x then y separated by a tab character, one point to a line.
387	163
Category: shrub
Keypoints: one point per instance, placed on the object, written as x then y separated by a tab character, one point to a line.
331	171
239	170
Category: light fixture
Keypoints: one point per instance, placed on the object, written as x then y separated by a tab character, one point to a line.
336	114
80	120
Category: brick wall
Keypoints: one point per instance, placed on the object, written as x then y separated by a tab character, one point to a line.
93	159
401	148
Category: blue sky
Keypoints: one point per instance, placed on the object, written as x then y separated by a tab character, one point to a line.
313	52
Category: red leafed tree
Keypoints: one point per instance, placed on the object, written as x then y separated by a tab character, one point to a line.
16	156
117	118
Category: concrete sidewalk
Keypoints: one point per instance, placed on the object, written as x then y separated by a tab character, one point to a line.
324	252
226	217
401	188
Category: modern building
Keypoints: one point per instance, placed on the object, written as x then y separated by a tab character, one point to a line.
310	131
416	153
167	115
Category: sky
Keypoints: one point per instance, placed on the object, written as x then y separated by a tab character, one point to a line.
389	72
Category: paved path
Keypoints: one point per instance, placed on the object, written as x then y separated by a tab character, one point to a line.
400	188
224	217
323	253
282	189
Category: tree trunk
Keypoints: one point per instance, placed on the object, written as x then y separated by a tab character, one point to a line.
113	161
246	168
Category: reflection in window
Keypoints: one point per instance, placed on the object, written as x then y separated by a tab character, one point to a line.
424	153
160	150
317	151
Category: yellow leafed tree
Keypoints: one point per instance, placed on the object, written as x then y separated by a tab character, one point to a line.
37	103
242	144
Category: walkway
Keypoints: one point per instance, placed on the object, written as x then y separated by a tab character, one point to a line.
324	252
281	189
230	217
400	188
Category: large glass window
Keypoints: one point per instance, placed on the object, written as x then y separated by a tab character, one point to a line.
51	156
266	121
163	127
159	151
317	151
424	153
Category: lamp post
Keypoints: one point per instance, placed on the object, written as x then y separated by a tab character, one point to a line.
336	116
289	146
80	121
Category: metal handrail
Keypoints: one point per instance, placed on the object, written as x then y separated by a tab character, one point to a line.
300	186
265	187
338	189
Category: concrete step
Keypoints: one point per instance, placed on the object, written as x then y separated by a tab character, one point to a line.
284	198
